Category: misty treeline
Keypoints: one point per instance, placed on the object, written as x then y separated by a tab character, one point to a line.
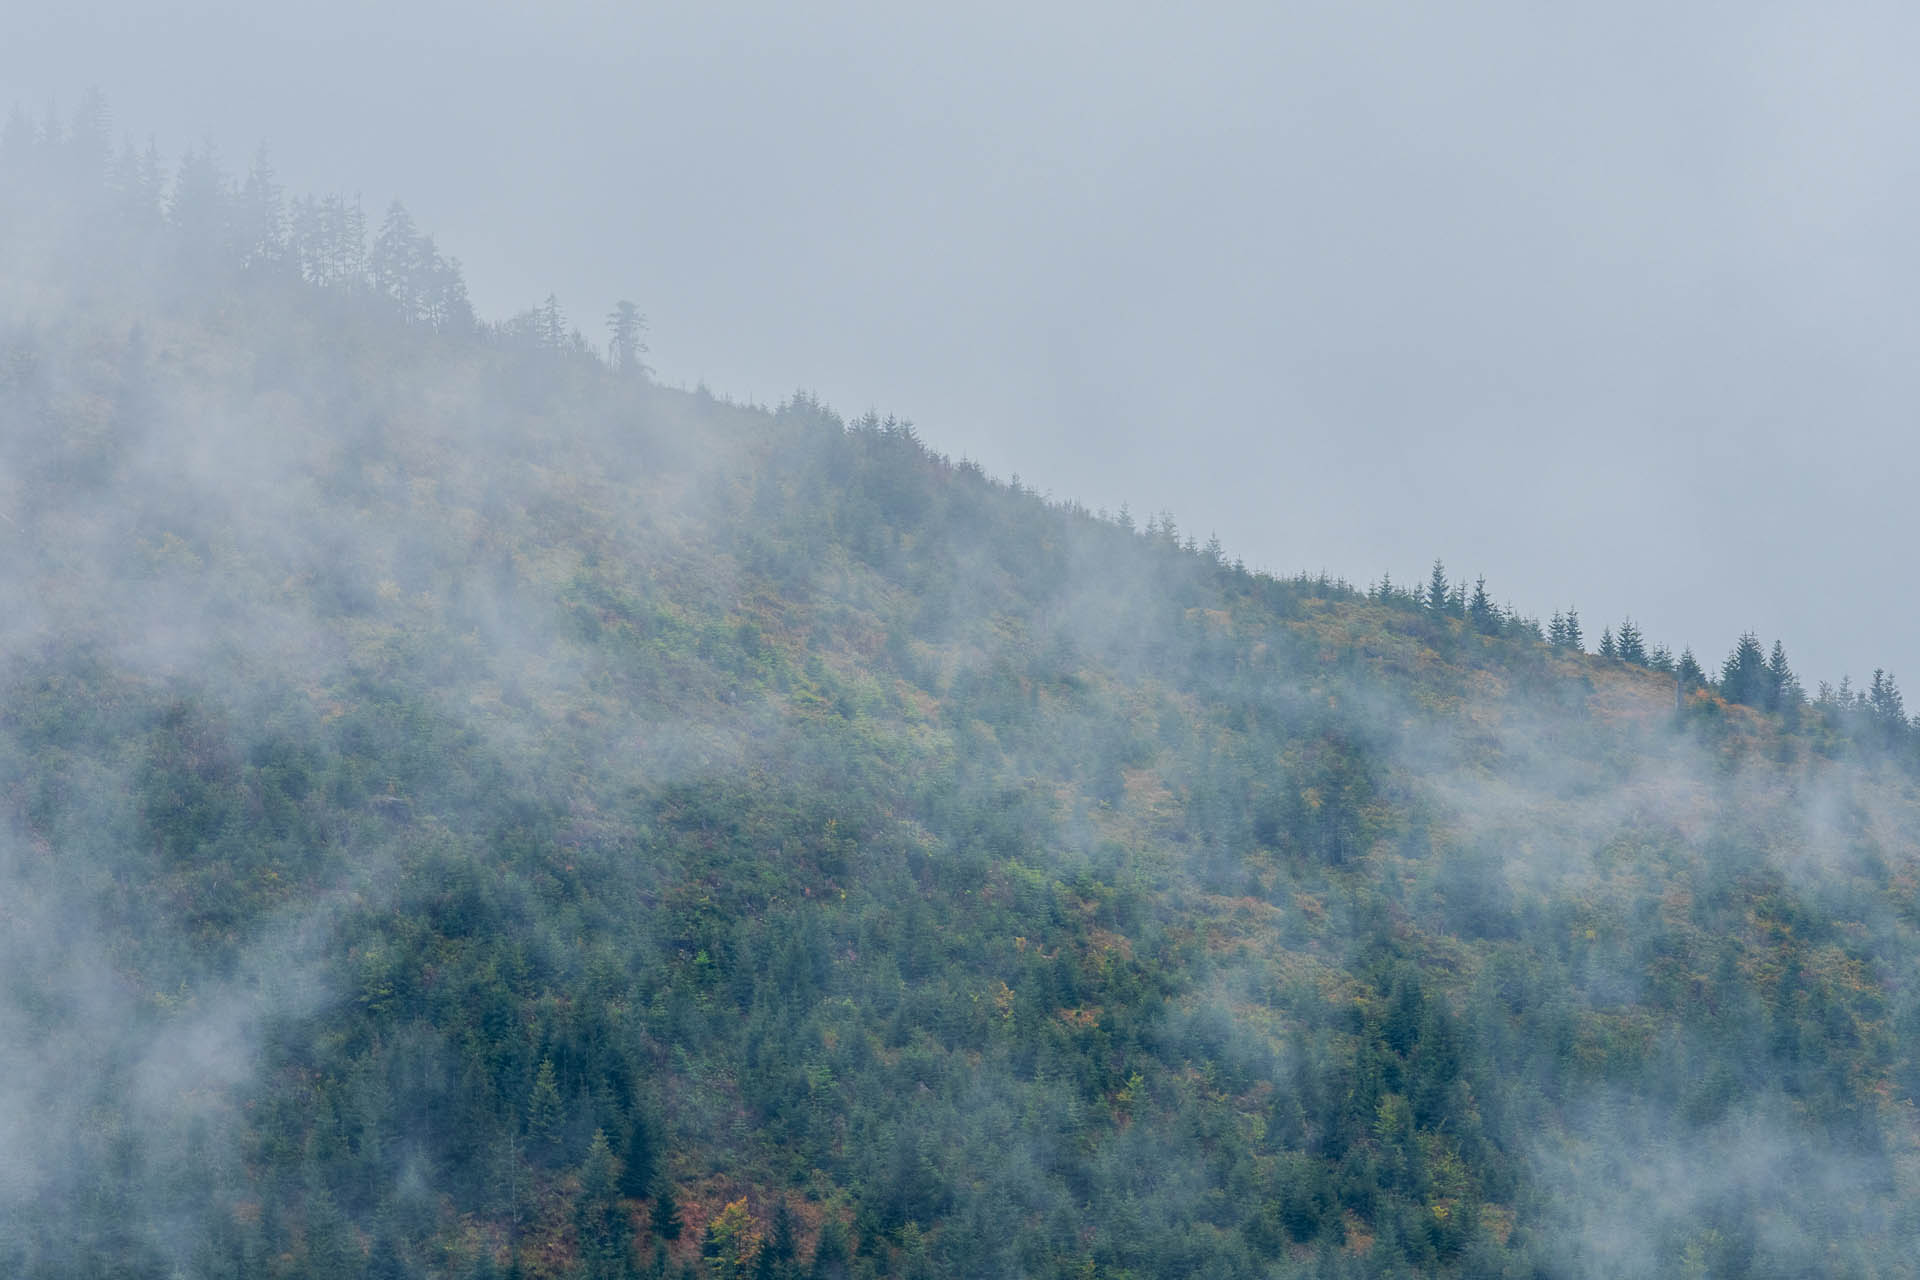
199	218
1874	718
470	814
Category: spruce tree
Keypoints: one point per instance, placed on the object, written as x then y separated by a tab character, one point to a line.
780	1249
260	218
665	1221
831	1254
395	260
1437	593
1743	676
604	1230
1481	610
545	1111
551	324
1630	645
1887	708
443	300
1783	687
1576	639
1607	648
383	1260
637	1159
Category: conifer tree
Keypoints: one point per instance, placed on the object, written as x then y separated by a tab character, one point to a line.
133	185
443	301
625	325
831	1254
780	1250
395	261
637	1159
1783	687
329	241
198	209
1687	670
553	324
384	1261
665	1220
1437	592
1630	645
1743	676
604	1231
1607	647
331	1248
1481	610
545	1110
1576	639
1887	708
89	144
260	217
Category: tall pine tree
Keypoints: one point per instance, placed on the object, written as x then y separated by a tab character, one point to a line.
1630	645
1482	612
604	1231
1743	676
1437	590
1783	687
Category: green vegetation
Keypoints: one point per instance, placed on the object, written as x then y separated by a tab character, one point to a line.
472	811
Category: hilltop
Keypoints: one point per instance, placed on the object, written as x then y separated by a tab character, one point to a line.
472	810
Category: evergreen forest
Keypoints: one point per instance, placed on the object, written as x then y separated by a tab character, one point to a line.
469	810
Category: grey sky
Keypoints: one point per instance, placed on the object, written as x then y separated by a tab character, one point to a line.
1616	304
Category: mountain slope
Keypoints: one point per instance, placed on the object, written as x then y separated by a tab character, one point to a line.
463	801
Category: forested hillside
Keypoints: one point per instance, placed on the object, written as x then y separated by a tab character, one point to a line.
472	811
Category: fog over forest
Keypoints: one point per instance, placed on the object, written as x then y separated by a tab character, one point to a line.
1610	306
492	783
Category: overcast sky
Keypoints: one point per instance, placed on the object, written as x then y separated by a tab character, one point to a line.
1617	304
